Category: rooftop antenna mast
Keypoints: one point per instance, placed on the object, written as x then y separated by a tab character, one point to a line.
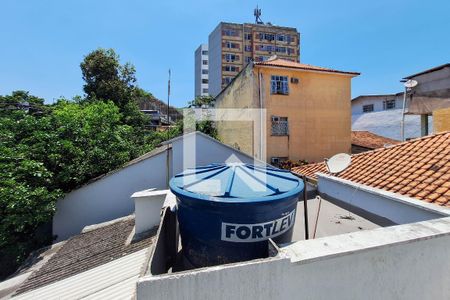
257	14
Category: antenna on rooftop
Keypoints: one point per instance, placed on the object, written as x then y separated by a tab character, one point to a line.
338	163
257	14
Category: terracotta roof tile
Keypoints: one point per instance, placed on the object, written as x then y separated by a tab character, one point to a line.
418	168
370	140
283	63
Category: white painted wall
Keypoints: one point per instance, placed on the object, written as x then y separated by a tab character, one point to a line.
398	262
147	209
200	150
107	198
397	208
388	123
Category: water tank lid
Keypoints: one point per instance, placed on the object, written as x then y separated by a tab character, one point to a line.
236	182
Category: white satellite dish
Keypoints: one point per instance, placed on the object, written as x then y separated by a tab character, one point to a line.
410	83
338	163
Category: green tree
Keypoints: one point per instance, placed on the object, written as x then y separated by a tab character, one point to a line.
106	79
202	101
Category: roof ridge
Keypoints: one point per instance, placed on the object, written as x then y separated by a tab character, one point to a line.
384	148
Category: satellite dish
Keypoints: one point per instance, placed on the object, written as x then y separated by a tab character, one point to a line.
410	83
338	163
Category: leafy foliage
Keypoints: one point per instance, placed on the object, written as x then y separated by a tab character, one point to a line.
48	150
202	101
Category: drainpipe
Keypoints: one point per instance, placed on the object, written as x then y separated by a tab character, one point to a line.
403	114
260	117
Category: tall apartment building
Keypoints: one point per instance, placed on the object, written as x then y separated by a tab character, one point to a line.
232	46
201	71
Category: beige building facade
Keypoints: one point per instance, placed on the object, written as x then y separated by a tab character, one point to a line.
232	46
307	111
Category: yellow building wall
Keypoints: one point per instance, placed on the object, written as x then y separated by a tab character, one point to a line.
319	115
318	110
240	94
441	120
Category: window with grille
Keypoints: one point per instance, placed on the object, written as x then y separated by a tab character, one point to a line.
279	85
280	126
367	108
389	104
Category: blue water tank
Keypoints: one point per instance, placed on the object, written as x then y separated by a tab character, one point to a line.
227	212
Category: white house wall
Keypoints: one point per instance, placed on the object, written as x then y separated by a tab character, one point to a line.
387	123
202	150
394	207
399	262
108	198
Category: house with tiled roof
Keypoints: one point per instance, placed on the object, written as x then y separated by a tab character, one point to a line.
300	118
418	169
363	140
362	235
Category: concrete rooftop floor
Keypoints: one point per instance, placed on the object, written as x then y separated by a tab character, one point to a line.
333	220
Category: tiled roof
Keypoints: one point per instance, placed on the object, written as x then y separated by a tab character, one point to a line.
371	140
86	251
418	168
278	62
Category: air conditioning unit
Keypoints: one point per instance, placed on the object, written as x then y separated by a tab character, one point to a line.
294	80
275	160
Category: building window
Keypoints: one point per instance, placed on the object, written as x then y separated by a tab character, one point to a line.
230	32
204	80
226	80
248	36
205	91
267	36
204	71
261	58
268	48
205	52
367	108
280	126
230	57
231	45
281	37
389	104
248	48
248	59
290	51
230	68
204	62
280	49
279	85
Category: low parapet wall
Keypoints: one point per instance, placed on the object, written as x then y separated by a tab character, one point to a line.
400	262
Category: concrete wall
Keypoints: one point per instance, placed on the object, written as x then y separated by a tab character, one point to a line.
436	83
398	262
441	120
107	198
241	93
388	123
377	101
319	118
202	150
215	61
375	202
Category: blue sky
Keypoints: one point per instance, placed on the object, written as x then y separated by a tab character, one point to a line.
43	42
